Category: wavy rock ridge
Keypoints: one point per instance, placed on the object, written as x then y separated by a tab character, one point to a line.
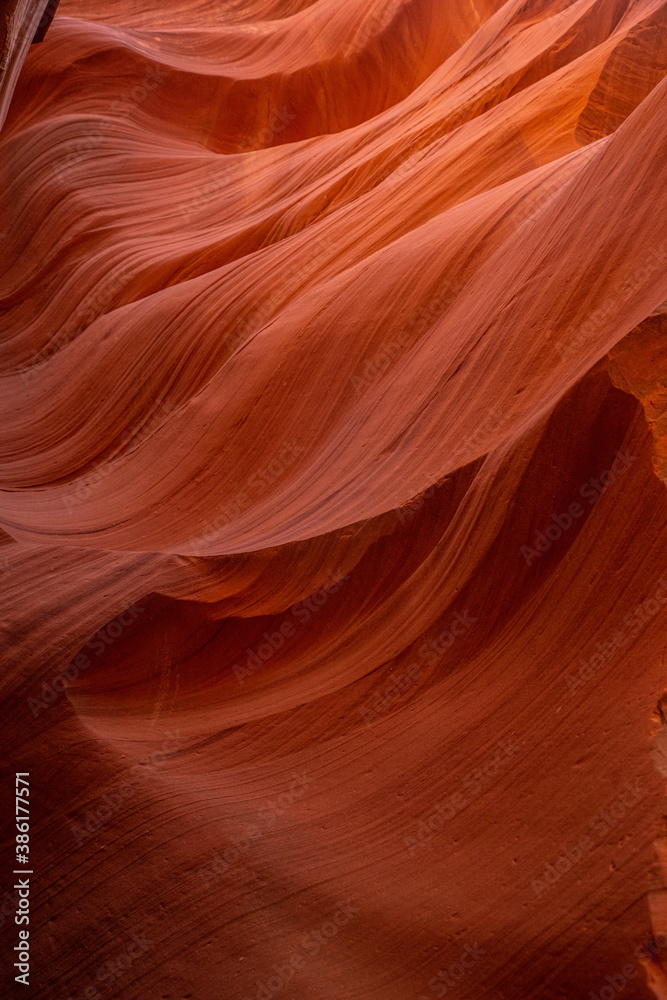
333	511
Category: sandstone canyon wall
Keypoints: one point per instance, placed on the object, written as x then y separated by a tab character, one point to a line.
333	517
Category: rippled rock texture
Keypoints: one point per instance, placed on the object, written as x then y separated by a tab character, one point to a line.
333	455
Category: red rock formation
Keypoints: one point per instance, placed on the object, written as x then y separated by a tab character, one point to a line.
333	545
22	22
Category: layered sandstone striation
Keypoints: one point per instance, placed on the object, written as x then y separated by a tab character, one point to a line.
333	548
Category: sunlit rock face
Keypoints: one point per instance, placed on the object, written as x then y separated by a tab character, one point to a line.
334	525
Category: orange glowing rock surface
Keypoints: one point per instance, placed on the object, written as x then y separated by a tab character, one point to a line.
334	555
